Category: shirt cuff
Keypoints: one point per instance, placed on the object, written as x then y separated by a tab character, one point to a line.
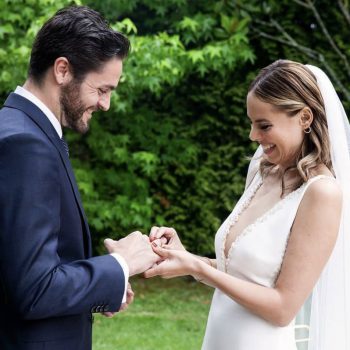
125	268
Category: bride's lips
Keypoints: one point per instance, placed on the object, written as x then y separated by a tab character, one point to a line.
269	149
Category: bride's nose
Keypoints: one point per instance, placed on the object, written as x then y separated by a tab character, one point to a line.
253	134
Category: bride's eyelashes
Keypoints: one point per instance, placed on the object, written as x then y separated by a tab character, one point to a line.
265	127
261	126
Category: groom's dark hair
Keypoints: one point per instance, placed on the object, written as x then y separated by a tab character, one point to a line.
81	35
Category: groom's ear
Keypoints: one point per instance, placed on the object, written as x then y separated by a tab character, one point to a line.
62	71
306	117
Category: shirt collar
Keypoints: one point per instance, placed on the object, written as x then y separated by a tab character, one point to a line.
29	96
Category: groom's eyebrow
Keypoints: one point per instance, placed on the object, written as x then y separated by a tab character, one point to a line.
110	87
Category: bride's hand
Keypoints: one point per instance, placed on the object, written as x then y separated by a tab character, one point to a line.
168	236
175	263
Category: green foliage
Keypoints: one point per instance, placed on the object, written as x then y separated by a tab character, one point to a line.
19	22
307	31
171	150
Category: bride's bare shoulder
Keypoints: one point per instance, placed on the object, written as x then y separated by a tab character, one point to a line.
324	193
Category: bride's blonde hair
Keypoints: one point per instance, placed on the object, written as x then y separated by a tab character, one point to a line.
290	86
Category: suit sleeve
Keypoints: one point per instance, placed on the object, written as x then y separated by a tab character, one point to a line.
35	282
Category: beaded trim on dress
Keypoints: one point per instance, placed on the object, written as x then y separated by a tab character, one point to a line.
232	220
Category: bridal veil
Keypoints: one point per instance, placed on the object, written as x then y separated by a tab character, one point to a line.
330	304
329	327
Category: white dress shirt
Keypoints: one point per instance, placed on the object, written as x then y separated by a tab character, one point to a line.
56	124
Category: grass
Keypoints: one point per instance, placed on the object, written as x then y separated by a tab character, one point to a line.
165	315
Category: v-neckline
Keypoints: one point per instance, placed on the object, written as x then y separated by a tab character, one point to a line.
242	208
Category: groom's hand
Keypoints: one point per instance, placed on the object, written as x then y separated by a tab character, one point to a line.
129	299
136	250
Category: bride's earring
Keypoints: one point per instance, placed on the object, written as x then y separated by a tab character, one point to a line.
308	130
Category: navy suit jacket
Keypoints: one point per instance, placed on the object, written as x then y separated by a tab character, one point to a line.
49	283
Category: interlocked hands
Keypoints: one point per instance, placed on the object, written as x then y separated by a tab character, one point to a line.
175	259
143	253
160	254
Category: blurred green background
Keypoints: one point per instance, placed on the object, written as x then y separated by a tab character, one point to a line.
173	148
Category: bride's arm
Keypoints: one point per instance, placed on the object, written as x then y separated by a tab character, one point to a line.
208	261
311	242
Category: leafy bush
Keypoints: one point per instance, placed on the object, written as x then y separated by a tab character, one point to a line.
171	150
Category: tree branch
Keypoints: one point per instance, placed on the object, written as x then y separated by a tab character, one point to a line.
310	53
344	10
280	35
302	3
329	38
283	31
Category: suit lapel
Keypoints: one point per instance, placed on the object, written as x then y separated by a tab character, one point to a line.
18	102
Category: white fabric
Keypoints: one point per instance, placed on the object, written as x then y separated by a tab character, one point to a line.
125	268
29	96
256	256
253	166
330	310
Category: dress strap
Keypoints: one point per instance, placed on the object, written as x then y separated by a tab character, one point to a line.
317	177
306	185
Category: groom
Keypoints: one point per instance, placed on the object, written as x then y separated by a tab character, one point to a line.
49	283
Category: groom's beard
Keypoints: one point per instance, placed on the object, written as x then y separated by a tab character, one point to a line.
73	108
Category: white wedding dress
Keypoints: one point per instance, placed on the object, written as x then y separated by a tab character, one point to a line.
256	256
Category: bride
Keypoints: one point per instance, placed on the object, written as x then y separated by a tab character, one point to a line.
286	235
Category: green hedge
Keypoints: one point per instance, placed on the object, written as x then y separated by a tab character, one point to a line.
172	149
